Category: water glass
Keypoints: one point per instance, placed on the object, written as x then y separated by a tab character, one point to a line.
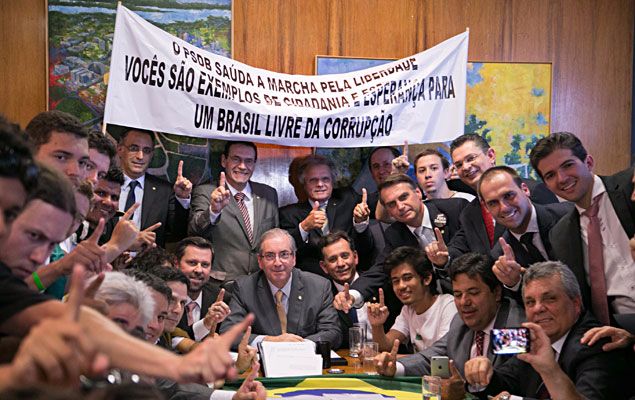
431	387
369	352
355	341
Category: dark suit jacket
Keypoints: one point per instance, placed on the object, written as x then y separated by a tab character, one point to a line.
596	374
456	344
398	234
566	236
473	236
310	310
547	216
160	205
234	255
339	212
210	293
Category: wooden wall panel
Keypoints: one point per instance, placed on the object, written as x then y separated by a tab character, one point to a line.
589	42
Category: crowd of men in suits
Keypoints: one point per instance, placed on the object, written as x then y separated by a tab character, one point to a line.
426	266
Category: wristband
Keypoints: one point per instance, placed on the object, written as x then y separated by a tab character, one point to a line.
38	282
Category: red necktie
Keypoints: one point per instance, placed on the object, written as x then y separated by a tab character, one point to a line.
595	248
480	341
489	224
190	310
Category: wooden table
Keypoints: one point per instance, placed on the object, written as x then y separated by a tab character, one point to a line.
354	365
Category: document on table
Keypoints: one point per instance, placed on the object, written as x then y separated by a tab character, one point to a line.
284	359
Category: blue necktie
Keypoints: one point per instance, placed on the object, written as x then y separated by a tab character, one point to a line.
130	200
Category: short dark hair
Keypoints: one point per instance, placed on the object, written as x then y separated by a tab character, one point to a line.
395	151
54	188
470	137
114	175
313	160
170	275
432	152
128	129
334	237
553	142
152	257
41	127
229	144
475	264
195	241
499	169
153	282
414	257
102	143
395	179
16	159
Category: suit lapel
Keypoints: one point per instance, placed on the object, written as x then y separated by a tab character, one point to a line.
331	211
269	322
620	205
296	304
520	253
545	223
147	205
258	211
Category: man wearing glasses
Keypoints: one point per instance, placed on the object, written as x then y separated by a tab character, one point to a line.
160	201
290	305
233	214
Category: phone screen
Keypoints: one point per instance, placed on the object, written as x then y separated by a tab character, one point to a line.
510	340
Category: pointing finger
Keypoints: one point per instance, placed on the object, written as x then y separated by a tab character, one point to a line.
347	294
393	351
94	285
507	250
152	228
364	196
220	296
405	148
381	297
98	231
130	212
440	240
221	181
245	340
76	293
179	170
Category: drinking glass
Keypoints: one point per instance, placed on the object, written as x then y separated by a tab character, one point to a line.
431	387
355	341
369	352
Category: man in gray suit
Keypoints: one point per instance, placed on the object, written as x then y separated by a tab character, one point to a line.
289	304
235	213
481	307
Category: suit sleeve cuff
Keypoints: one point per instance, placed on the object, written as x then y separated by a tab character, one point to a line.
361	226
200	331
514	288
213	217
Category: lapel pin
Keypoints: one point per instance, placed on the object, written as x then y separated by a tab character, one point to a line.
154	188
299	297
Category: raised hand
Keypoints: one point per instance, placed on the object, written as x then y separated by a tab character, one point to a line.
437	251
125	233
182	185
343	301
216	313
361	212
251	389
386	363
315	220
246	353
87	253
220	196
506	269
377	312
401	164
146	238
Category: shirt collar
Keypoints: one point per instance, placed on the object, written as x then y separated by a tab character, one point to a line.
127	180
426	222
341	287
598	189
286	289
531	227
557	345
198	300
246	191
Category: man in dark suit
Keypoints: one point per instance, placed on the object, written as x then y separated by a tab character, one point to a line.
526	239
592	239
327	210
205	307
481	307
415	226
472	156
235	213
160	201
289	304
558	366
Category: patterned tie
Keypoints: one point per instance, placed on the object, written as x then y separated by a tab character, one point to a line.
282	314
527	239
480	341
190	312
131	199
599	300
424	236
489	224
325	227
240	200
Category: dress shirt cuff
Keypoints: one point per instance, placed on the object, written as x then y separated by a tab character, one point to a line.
400	370
222	395
175	341
358	300
515	287
258	339
361	226
200	330
303	233
514	397
185	203
213	217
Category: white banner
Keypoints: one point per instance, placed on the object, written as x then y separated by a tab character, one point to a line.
159	82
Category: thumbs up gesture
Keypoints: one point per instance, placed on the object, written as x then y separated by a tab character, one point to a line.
220	196
437	251
506	269
361	212
315	220
182	185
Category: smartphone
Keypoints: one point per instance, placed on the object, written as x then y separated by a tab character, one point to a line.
440	366
510	340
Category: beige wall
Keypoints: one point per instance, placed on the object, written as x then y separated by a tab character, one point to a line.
589	42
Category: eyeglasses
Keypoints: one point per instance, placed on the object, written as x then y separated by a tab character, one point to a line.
283	255
133	148
470	158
